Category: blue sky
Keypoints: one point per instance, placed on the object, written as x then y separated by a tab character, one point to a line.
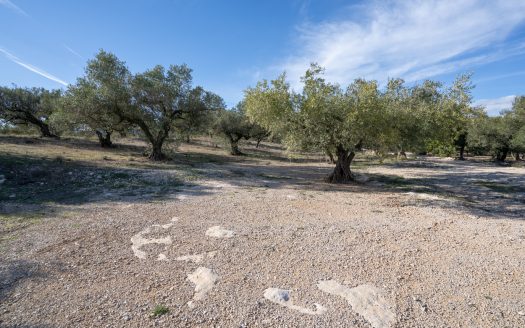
231	45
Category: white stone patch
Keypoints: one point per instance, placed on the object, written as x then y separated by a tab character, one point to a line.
221	185
204	279
423	196
367	300
282	297
138	240
219	232
196	258
162	257
182	196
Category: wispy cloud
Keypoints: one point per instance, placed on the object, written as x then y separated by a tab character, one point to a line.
32	68
68	48
13	7
496	105
412	39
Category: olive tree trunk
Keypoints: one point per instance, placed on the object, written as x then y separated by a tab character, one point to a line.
44	130
342	172
461	153
156	141
234	146
502	155
104	138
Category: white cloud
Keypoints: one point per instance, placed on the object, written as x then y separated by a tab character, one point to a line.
496	105
412	39
13	7
32	68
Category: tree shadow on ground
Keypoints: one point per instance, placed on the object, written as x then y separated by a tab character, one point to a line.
34	184
14	272
479	188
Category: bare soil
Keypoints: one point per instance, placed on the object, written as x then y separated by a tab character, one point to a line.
208	240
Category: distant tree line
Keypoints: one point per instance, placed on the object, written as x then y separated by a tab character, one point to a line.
161	104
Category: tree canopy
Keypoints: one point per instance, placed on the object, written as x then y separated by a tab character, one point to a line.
29	106
234	126
322	117
152	101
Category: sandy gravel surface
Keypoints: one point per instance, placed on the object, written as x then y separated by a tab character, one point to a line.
265	248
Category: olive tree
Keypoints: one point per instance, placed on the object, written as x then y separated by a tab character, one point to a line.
234	126
29	106
199	116
407	113
449	114
516	121
501	135
85	103
323	117
491	135
152	100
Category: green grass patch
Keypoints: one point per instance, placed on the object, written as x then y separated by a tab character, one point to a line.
159	310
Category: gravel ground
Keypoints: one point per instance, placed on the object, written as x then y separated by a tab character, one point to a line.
428	259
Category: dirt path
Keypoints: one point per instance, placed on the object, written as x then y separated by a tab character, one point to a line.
261	246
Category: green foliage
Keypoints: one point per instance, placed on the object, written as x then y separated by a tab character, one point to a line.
234	126
516	122
442	149
109	97
97	97
29	106
200	114
491	135
160	310
500	135
323	117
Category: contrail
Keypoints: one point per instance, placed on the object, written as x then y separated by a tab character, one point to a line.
32	68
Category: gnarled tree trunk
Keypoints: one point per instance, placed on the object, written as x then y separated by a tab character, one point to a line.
461	153
45	131
104	137
156	152
342	172
502	155
461	142
402	155
234	146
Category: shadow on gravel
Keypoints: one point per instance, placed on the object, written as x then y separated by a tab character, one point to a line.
33	185
494	192
13	273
